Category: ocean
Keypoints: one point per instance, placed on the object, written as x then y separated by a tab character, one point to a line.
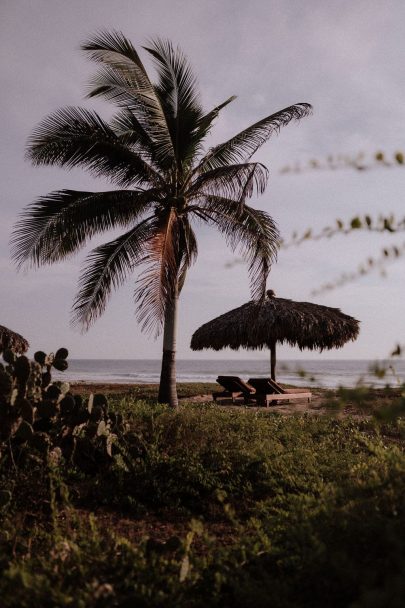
328	373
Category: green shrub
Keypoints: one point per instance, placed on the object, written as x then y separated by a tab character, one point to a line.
313	508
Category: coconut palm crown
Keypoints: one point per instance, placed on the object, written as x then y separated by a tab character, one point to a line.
152	151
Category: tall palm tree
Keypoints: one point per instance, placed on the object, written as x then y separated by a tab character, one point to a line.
152	149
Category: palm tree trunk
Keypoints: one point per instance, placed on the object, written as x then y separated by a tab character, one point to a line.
167	387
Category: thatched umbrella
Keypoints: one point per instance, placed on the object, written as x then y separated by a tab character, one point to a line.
258	326
15	342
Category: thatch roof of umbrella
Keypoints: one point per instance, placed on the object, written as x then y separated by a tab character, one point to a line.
258	326
12	340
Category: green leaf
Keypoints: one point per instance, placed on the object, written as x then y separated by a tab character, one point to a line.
356	223
399	157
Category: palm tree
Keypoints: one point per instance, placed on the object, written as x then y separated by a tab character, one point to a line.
152	149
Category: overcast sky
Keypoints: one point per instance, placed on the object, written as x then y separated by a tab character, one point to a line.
344	57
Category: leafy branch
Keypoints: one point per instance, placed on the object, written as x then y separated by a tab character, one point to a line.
359	162
383	223
388	254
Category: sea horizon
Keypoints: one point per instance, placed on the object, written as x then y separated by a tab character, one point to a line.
329	373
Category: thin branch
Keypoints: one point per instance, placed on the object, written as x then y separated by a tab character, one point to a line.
388	255
381	224
358	162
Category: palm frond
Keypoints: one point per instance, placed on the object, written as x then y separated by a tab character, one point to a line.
120	59
236	182
115	51
74	137
205	122
63	221
176	79
113	87
128	128
156	286
251	231
107	267
124	80
242	146
188	249
179	96
199	131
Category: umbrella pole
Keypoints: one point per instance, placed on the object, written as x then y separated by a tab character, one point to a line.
273	360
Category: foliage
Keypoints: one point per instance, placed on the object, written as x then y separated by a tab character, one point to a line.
381	224
41	419
152	144
312	508
360	162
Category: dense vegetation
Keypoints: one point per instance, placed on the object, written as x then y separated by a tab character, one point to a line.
207	506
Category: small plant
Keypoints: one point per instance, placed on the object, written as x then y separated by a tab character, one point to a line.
39	417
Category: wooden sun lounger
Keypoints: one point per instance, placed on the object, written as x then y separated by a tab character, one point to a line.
235	388
268	391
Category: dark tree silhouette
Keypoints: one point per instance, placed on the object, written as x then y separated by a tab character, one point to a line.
152	150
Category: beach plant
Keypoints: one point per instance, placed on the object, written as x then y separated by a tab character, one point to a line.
153	151
41	418
358	162
383	223
270	511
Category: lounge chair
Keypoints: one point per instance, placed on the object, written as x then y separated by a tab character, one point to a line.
235	388
268	391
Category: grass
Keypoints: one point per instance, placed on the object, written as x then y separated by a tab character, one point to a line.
133	392
209	506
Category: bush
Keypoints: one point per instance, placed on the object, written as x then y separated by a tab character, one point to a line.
41	419
313	509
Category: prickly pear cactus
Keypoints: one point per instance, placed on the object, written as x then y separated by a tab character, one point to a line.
38	416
